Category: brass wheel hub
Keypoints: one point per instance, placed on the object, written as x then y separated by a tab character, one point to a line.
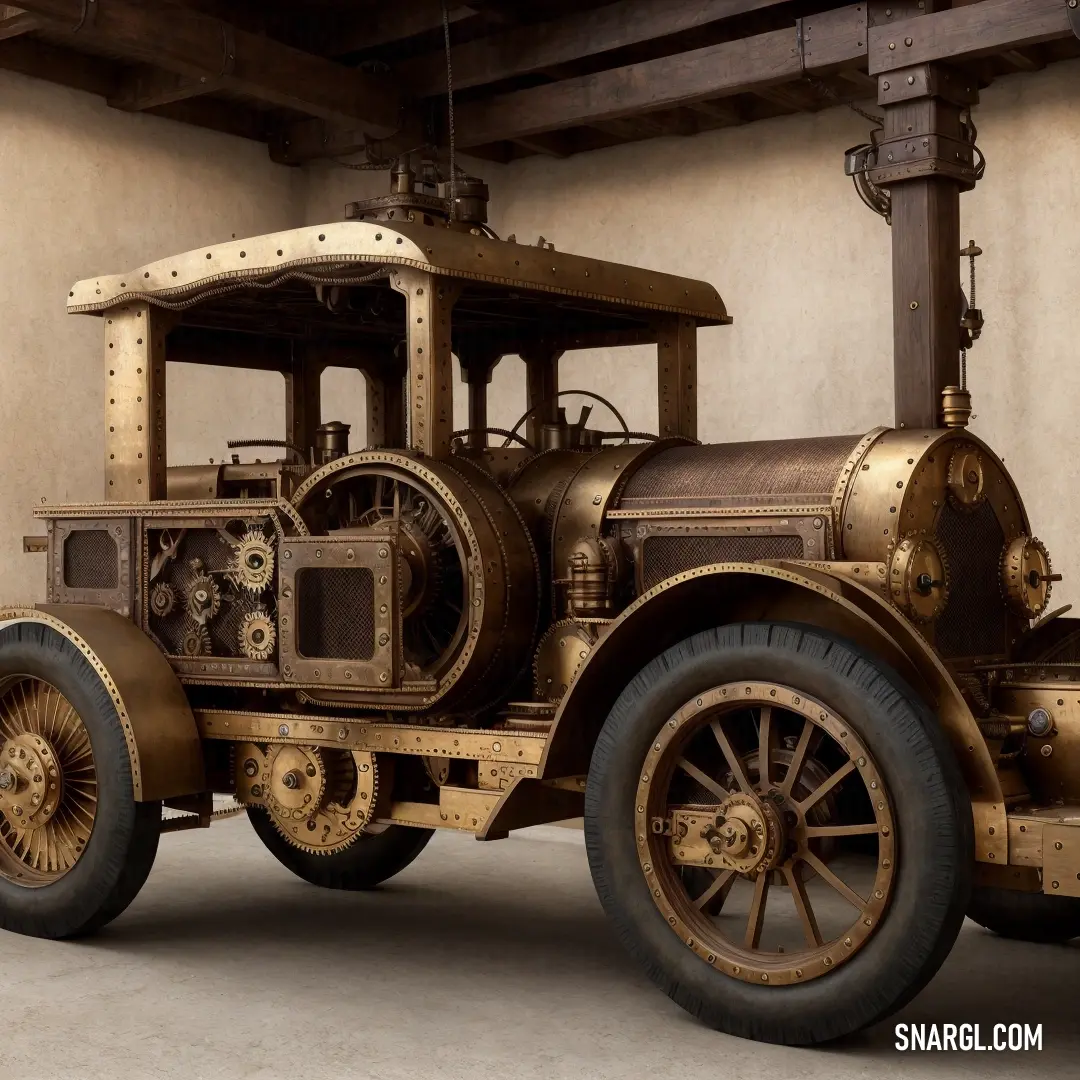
30	783
753	791
48	785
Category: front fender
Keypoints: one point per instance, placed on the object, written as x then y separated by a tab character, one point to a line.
162	738
712	596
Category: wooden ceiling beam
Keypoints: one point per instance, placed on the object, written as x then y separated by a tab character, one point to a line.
835	38
194	45
536	47
337	34
966	33
147	87
14	22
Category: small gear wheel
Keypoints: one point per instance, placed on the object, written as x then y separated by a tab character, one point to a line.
162	599
203	598
253	562
919	577
319	799
196	642
1026	576
257	634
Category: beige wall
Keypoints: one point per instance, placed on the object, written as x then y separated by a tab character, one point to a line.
764	212
84	190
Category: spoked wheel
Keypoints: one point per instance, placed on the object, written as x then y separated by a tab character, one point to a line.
779	833
75	847
760	788
48	785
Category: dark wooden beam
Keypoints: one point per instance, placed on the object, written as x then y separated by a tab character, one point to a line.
147	87
967	32
195	45
830	40
14	22
337	34
41	60
526	49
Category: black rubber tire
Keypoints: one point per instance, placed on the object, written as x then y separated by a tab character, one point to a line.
367	862
1026	916
930	805
123	843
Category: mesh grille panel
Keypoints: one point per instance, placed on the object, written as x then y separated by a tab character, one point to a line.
335	611
973	622
784	467
665	556
91	560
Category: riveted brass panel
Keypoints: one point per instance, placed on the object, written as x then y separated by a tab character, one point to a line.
1049	761
1061	860
364	667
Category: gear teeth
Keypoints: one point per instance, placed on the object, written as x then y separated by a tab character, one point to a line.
257	634
252	565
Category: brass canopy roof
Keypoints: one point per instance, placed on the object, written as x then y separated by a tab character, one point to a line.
356	252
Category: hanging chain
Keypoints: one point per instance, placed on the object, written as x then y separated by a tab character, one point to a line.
450	110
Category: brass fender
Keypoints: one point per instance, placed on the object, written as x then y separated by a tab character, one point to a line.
162	739
710	596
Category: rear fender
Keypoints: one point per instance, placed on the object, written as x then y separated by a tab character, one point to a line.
162	739
725	593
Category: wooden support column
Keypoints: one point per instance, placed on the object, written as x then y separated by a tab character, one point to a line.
676	398
925	160
429	303
135	445
303	398
541	390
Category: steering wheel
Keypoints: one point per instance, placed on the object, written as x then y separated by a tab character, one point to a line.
508	435
626	432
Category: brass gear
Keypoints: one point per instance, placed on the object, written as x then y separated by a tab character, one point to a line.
319	799
196	641
162	599
1026	576
253	562
203	598
919	577
257	634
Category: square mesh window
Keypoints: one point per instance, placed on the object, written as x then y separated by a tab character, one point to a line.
335	613
91	560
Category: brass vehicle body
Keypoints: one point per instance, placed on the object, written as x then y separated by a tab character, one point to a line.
455	621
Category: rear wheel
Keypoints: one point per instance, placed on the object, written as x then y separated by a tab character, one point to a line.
366	862
779	833
1026	916
75	847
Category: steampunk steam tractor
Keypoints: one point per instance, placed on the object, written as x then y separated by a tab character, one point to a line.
807	694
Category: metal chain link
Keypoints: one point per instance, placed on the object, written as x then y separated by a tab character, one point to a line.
450	110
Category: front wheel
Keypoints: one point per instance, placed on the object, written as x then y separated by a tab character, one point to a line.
75	846
779	832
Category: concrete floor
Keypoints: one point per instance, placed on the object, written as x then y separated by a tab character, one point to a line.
480	960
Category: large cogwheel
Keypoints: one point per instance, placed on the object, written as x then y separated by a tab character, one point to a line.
319	799
257	634
252	562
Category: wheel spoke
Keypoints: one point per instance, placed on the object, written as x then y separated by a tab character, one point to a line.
803	907
813	831
733	759
756	920
826	786
766	746
798	759
712	899
703	779
849	894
